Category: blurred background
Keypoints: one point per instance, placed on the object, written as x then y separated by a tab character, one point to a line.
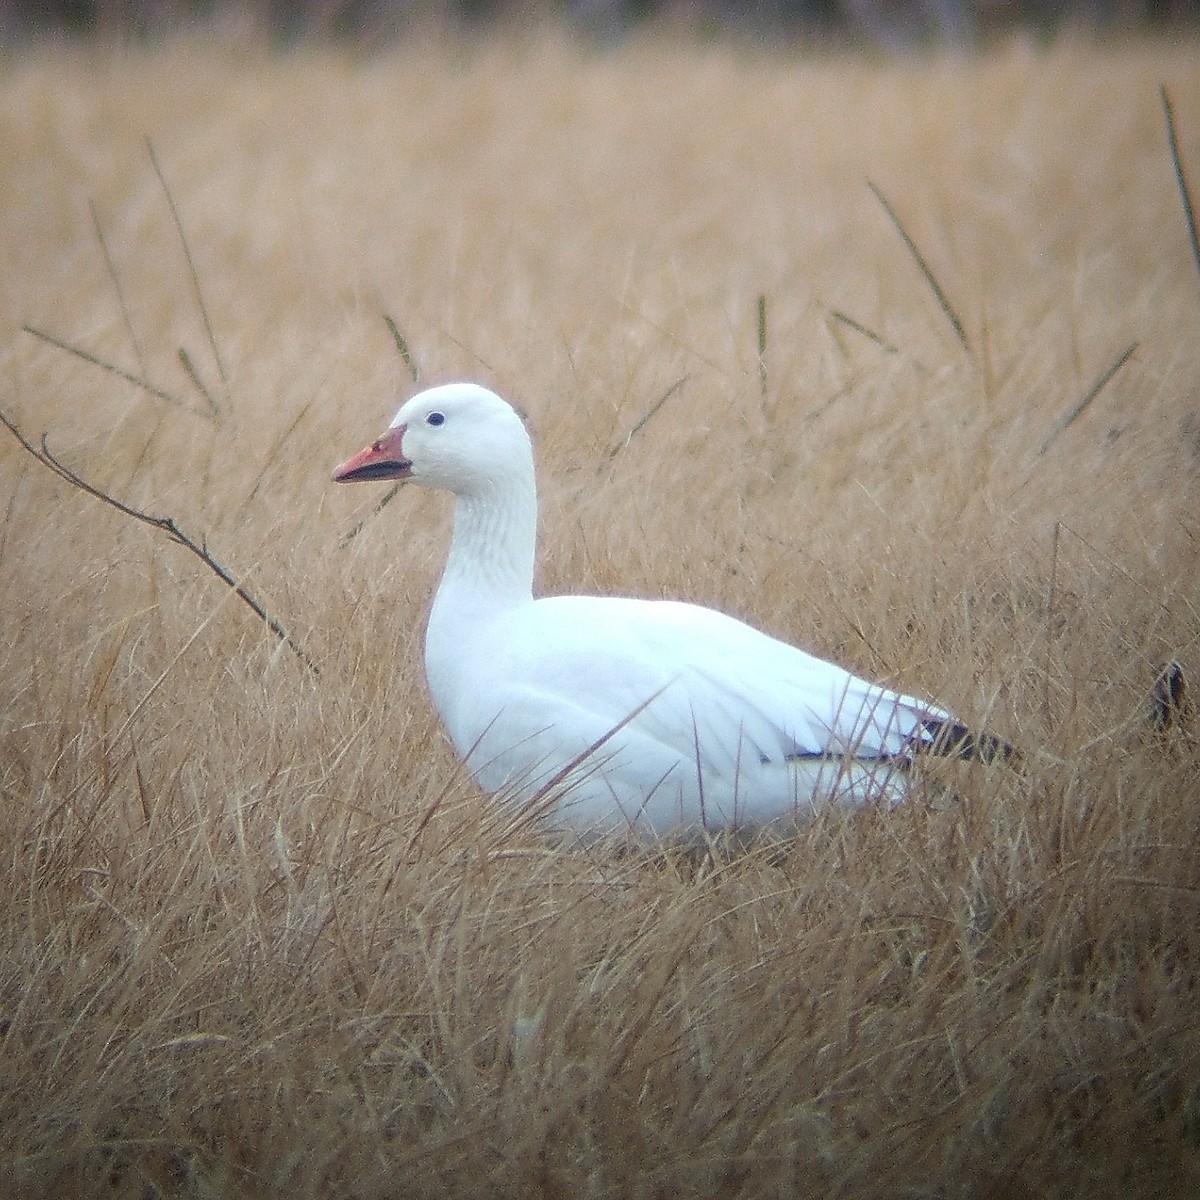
887	24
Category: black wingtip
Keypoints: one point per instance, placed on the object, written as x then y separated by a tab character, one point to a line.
951	739
1171	706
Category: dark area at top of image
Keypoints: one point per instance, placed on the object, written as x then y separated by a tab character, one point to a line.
890	24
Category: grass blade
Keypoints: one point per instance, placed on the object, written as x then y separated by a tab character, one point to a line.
644	419
112	368
938	292
402	346
359	526
762	345
187	254
116	282
1101	383
864	331
190	367
1189	213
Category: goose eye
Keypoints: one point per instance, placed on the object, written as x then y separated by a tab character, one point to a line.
435	418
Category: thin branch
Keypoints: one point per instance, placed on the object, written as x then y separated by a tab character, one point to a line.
402	346
187	254
166	525
918	258
1092	392
116	282
112	368
1189	213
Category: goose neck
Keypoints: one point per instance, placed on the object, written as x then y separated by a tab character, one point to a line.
491	557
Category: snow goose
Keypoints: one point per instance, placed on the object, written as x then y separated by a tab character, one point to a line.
619	713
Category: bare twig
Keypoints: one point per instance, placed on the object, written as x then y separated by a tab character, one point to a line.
617	447
1189	213
116	282
402	346
112	368
918	258
1092	392
187	254
168	526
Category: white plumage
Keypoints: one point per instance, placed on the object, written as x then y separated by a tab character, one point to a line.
634	714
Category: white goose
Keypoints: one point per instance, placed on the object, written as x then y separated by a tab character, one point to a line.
617	713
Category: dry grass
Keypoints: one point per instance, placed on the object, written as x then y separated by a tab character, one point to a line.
260	937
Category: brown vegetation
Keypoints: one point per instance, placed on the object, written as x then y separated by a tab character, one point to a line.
261	937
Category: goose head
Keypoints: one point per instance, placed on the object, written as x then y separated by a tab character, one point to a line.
460	437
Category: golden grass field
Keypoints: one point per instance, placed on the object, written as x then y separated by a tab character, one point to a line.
261	937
